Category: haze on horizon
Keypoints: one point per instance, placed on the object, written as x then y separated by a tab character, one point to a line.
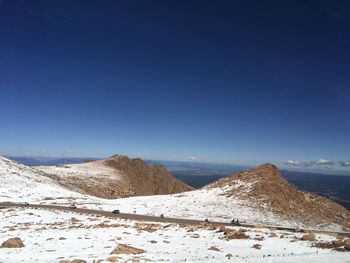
212	81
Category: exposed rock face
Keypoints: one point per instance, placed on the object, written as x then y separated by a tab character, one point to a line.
124	249
256	246
264	186
115	177
146	179
309	237
347	244
15	242
233	234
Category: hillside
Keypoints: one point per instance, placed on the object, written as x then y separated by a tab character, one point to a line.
265	187
65	236
19	183
115	177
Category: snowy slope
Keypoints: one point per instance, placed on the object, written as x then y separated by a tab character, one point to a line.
51	236
84	170
19	183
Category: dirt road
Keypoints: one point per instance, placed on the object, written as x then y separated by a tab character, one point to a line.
148	218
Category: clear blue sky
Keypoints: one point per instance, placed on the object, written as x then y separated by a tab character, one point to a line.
224	81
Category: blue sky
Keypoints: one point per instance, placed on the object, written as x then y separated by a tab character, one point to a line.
220	81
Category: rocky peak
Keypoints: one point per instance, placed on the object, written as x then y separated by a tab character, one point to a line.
144	178
265	187
115	177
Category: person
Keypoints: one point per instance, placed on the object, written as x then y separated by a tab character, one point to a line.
161	216
206	220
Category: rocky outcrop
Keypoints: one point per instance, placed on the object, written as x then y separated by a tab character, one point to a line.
124	249
15	242
145	179
347	244
265	188
309	237
116	177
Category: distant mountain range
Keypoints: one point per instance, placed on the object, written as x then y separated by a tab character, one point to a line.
35	161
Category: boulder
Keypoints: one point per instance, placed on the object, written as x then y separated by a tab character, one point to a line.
213	248
231	234
256	246
309	237
347	244
125	249
273	234
15	242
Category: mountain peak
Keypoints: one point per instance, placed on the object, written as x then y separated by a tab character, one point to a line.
265	187
115	177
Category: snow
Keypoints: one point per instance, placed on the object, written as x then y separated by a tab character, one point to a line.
19	183
50	236
94	169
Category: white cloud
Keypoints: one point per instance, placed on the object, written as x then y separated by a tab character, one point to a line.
345	163
297	163
193	158
292	163
323	162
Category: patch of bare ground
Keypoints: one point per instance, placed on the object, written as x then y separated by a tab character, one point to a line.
147	227
234	234
340	244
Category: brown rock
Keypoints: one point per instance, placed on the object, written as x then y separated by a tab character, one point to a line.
347	244
213	248
125	249
256	246
113	259
15	242
273	234
231	234
309	237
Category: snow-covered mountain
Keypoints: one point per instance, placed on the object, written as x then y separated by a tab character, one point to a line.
263	187
235	196
19	183
57	236
115	177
